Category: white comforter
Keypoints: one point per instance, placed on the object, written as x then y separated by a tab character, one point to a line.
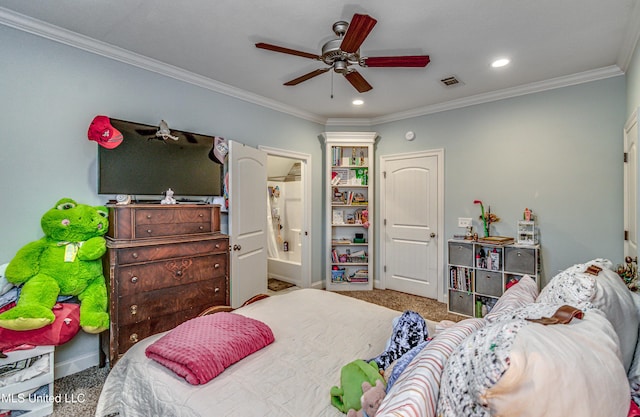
316	333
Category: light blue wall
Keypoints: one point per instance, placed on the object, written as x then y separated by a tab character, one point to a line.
50	93
558	153
633	82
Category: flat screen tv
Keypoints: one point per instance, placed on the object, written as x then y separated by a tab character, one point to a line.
144	165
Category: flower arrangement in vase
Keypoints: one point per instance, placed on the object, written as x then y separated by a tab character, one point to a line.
486	217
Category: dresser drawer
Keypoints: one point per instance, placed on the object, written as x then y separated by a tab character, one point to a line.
170	272
461	254
520	260
130	334
147	221
174	215
140	254
135	308
488	283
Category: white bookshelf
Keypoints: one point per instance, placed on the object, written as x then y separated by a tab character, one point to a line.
349	194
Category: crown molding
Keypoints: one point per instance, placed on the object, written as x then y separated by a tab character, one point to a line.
574	79
345	121
85	43
60	35
630	41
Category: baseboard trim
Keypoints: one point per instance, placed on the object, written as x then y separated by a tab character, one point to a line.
70	367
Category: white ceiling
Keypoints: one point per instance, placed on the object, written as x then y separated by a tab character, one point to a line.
211	43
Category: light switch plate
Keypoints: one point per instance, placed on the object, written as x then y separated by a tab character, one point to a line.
464	221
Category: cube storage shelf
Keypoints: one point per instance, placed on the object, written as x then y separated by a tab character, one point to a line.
479	273
349	211
16	397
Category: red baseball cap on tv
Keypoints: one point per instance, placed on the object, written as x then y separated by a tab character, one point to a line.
101	131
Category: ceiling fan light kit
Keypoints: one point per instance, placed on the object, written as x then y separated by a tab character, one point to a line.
342	53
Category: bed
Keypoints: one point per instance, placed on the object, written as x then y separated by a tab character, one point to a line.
501	365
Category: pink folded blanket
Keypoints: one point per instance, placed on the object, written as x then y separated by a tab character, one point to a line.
201	348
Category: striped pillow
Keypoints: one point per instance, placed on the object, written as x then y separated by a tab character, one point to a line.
519	295
415	392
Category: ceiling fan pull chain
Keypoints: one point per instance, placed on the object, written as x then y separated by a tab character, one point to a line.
331	85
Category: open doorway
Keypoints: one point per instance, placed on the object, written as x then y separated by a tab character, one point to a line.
288	216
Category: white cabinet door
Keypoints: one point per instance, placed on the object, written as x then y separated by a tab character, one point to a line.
247	222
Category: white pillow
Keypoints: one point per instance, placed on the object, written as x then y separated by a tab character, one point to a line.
415	392
634	370
563	370
606	292
524	369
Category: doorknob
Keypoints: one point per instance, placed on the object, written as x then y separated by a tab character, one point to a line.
237	247
432	235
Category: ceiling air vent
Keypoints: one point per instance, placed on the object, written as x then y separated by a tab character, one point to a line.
450	81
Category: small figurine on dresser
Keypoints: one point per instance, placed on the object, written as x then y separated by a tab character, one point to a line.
168	197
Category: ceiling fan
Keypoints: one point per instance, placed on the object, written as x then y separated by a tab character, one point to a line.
343	52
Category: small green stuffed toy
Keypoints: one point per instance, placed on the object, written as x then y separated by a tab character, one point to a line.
66	261
352	375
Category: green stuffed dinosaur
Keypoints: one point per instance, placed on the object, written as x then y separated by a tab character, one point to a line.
352	375
66	261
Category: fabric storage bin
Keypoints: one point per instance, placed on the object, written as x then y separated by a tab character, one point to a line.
461	253
489	283
520	260
461	302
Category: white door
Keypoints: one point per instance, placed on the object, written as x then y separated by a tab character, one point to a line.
247	222
411	193
631	186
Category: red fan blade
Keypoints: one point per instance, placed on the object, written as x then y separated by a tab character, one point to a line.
283	50
397	61
307	76
358	30
358	81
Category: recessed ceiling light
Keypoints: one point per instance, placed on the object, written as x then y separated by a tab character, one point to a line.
500	63
357	102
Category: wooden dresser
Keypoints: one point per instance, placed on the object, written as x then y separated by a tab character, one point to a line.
164	265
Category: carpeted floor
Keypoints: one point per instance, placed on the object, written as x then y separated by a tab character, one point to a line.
83	388
78	393
277	285
426	307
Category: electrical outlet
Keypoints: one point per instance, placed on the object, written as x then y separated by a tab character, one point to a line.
464	221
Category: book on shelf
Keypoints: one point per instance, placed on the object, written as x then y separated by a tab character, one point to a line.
460	278
341	241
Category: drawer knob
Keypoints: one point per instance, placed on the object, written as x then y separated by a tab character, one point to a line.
134	309
217	246
134	337
216	266
217	290
134	255
201	227
134	279
179	273
149	231
148	216
200	215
